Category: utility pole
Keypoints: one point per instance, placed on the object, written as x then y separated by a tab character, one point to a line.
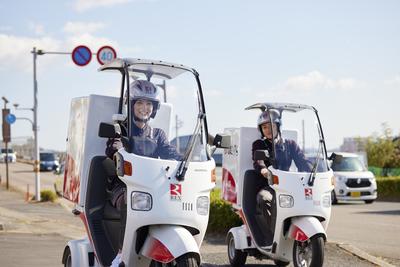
164	87
178	124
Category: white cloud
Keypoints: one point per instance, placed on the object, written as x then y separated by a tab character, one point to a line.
315	80
310	82
38	29
393	81
76	28
82	5
16	50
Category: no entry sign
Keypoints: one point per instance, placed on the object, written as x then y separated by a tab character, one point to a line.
81	55
106	54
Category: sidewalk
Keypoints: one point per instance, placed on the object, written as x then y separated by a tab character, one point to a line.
19	216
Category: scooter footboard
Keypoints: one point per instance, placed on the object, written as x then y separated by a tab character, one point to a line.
303	228
165	243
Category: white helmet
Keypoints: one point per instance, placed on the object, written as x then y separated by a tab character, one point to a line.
141	89
267	116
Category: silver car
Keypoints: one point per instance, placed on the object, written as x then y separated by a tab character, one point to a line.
353	181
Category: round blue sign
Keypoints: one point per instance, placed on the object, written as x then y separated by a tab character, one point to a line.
10	118
81	55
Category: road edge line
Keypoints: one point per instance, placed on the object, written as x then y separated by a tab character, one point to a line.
362	254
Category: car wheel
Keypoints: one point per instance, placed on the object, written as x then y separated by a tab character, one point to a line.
333	197
368	201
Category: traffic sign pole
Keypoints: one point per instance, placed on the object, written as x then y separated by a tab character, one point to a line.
6	134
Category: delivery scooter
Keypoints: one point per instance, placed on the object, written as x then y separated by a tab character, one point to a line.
167	200
285	216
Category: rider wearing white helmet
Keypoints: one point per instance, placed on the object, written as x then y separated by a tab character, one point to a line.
269	123
145	141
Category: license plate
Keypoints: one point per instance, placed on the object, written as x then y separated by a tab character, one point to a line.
355	194
49	168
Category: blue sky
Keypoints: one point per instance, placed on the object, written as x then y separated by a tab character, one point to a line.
342	57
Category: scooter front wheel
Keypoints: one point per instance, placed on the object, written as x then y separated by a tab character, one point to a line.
237	258
186	260
309	253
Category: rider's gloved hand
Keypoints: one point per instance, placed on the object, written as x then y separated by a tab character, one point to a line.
267	175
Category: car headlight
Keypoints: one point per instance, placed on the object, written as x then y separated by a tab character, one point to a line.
286	201
341	178
141	201
202	205
326	201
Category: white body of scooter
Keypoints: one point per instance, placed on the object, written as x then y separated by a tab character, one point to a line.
167	200
285	219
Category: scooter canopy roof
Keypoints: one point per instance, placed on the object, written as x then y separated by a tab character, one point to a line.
149	68
280	106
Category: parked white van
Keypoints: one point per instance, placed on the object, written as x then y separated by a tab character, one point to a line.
353	181
12	156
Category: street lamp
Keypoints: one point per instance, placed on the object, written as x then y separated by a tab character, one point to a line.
36	163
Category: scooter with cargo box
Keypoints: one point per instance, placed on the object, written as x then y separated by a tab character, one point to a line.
285	216
167	200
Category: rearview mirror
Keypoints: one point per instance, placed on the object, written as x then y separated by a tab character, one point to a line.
222	141
261	155
336	157
109	130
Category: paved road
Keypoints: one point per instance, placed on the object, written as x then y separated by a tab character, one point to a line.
21	176
353	224
35	234
374	228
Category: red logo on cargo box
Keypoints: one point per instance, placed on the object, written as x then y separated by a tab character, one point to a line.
175	191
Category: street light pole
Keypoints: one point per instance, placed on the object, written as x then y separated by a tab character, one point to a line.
36	166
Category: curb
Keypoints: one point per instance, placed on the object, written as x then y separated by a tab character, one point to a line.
362	254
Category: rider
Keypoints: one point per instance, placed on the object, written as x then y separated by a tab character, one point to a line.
146	141
286	150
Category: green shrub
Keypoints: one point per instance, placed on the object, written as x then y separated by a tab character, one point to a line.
388	188
222	216
48	195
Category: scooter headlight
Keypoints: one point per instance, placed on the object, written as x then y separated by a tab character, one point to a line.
202	205
286	201
141	201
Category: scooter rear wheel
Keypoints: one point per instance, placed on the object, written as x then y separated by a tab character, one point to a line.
309	253
237	258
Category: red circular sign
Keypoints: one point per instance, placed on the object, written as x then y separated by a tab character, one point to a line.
81	55
106	54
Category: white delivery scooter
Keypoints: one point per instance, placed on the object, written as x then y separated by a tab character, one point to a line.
167	200
285	217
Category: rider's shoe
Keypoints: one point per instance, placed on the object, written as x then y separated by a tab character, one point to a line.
117	260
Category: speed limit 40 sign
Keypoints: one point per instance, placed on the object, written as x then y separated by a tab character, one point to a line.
106	54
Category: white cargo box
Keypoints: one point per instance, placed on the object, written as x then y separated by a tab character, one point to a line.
83	142
238	159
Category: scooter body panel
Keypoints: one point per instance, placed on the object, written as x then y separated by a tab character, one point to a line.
241	237
174	204
167	242
80	250
303	228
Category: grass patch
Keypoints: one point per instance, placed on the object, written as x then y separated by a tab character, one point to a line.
388	188
222	216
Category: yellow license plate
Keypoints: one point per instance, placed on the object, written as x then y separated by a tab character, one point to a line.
355	194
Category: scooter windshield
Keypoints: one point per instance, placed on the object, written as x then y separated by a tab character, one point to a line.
298	141
165	110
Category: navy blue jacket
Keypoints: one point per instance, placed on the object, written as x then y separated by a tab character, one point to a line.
286	151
